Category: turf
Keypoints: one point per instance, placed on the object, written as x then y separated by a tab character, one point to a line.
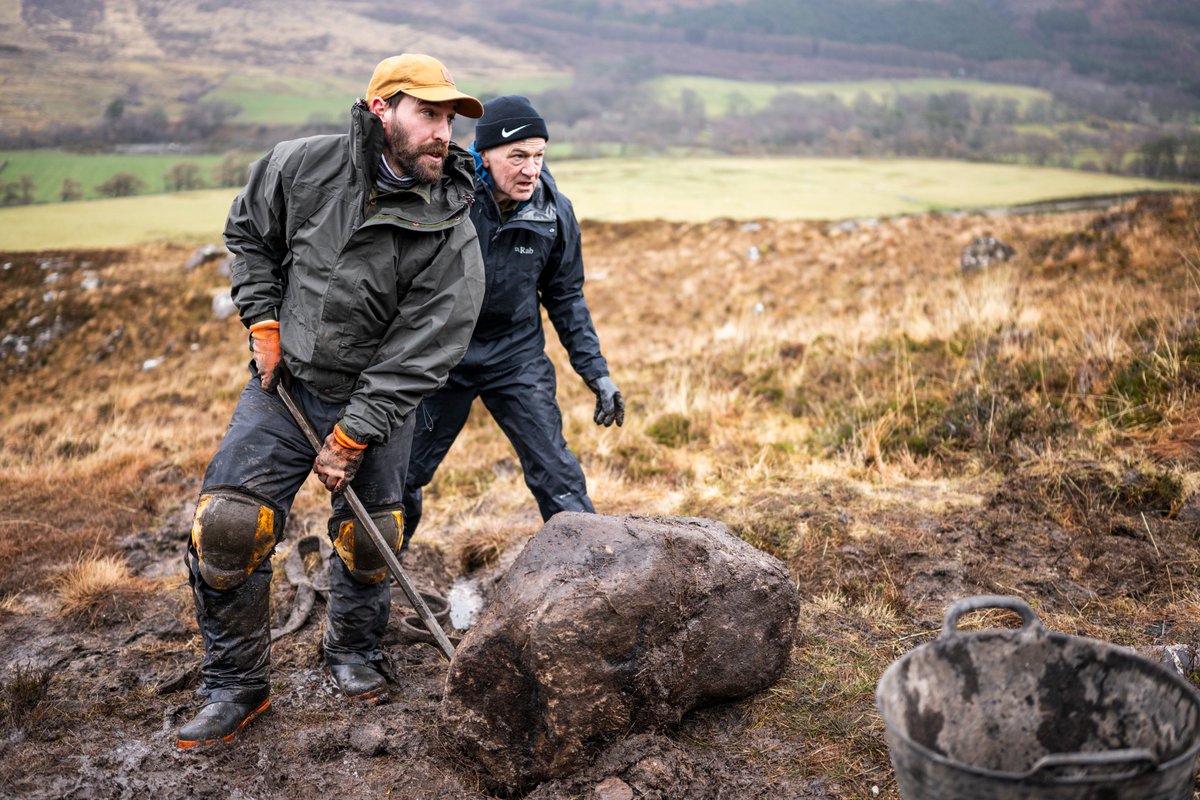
682	189
49	168
720	95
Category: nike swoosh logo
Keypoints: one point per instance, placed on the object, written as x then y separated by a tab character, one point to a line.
505	132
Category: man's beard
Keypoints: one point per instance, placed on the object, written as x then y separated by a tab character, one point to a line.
403	154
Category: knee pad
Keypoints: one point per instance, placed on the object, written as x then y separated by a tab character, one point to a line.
232	534
356	549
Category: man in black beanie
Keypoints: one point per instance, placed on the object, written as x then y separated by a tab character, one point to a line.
531	250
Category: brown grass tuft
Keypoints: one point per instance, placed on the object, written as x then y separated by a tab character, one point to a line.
900	434
99	591
13	604
482	550
23	696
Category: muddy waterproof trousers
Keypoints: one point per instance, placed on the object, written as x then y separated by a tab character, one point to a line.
522	401
265	455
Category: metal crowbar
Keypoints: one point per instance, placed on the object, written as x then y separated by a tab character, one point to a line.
368	524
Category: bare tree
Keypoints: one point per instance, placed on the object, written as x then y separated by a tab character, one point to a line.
18	192
71	190
122	184
183	177
26	186
231	171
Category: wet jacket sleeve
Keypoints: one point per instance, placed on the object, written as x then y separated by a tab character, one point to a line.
255	233
429	336
561	291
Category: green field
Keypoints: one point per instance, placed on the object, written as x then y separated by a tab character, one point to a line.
181	217
285	102
682	189
817	188
1083	127
515	84
49	168
296	102
720	95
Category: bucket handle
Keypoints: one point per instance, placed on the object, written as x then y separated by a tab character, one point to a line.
1029	620
1139	760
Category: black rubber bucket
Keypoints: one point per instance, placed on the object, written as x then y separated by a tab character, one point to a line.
1034	715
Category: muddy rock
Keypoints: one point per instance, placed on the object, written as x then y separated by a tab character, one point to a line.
612	788
203	255
982	252
605	626
223	306
370	740
649	765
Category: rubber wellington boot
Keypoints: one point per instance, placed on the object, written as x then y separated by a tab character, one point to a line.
359	682
219	722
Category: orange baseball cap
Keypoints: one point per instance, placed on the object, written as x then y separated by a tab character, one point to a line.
423	77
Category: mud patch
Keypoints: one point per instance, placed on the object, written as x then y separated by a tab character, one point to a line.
653	765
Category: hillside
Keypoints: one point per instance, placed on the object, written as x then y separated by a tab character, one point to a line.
83	54
1099	87
899	432
1138	41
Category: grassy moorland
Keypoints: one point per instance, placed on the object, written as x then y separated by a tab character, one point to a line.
722	96
682	189
695	189
900	433
176	217
49	169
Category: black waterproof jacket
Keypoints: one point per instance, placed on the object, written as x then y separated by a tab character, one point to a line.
534	257
376	294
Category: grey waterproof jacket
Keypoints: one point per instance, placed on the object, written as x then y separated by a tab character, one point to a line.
376	294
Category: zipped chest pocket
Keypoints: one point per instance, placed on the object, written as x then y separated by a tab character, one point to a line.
514	264
366	292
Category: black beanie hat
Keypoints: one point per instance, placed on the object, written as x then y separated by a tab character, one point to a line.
508	118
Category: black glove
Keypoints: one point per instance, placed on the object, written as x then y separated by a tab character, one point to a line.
610	406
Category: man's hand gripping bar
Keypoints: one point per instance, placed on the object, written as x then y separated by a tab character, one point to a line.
368	524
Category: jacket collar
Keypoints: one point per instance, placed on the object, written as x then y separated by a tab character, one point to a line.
540	207
455	188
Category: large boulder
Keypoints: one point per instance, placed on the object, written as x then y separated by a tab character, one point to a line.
605	626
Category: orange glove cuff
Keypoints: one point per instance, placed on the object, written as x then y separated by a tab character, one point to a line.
341	438
267	329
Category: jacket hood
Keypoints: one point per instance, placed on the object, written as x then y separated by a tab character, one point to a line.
366	141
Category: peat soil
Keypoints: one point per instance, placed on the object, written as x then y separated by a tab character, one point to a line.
119	687
88	706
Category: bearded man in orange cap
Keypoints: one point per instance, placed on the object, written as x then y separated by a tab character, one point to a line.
358	274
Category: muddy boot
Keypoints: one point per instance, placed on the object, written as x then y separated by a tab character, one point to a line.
359	682
219	722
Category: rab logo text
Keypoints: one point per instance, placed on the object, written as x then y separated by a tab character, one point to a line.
525	251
